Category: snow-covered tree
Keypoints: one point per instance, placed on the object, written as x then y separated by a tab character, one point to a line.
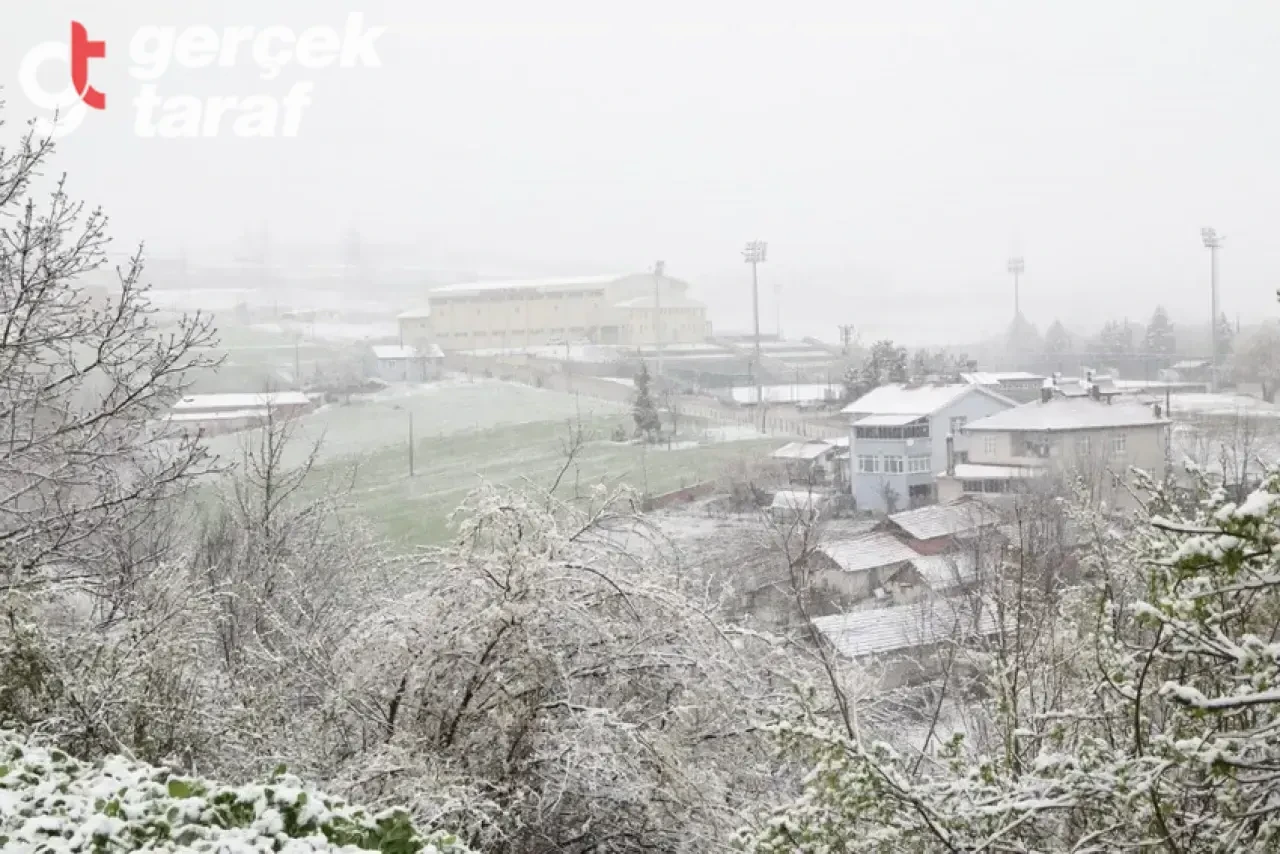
643	410
885	363
1257	359
597	701
83	381
1057	340
1149	720
1115	339
1159	338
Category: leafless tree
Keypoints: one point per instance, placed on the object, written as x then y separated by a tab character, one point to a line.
84	383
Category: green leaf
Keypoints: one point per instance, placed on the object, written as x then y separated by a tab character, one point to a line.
179	789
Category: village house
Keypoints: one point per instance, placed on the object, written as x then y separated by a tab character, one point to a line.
400	363
898	439
1089	437
941	527
811	462
1020	386
212	414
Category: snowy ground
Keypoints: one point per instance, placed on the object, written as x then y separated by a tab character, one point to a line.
467	432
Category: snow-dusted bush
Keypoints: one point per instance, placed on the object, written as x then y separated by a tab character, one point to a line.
50	802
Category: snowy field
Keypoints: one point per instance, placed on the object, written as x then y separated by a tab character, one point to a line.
468	432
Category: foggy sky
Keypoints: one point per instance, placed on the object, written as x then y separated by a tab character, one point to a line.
892	154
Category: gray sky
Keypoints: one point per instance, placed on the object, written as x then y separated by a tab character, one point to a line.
893	154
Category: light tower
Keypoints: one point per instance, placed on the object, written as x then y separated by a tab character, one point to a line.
659	269
1213	242
755	254
1016	266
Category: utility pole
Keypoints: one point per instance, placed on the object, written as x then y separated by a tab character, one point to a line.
777	309
658	269
410	443
755	254
1213	242
1016	266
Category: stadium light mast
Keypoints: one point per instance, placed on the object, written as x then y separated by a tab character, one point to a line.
659	270
755	254
1016	266
1213	242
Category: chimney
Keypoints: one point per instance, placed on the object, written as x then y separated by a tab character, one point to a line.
951	455
1046	392
1155	407
1094	392
1088	375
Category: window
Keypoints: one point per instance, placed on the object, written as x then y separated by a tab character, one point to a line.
918	465
894	465
1082	446
868	464
971	485
1118	443
989	446
957	424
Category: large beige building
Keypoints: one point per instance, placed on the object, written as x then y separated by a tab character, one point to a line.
626	310
1094	441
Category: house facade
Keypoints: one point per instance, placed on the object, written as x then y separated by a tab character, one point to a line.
401	363
898	439
1095	439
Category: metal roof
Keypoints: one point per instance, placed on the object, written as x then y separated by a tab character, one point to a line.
886	420
564	282
798	499
1068	414
946	571
881	630
198	402
978	471
945	520
802	450
900	399
997	377
869	552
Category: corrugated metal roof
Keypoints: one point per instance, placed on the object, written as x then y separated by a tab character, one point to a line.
944	572
945	520
866	553
900	399
881	630
1068	414
886	420
978	471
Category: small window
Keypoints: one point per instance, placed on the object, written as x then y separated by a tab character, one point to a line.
1082	446
894	465
957	424
989	446
1118	444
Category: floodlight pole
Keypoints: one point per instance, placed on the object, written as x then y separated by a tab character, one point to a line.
755	254
1213	242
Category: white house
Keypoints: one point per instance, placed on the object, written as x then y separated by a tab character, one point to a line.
1097	439
898	439
404	363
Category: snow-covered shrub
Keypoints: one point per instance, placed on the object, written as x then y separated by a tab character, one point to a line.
50	802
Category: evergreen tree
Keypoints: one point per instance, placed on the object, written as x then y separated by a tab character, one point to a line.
1116	339
1057	340
643	410
1159	338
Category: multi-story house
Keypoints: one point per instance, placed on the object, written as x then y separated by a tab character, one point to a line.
898	439
1093	439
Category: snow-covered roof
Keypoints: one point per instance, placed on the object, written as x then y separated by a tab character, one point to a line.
945	520
220	415
995	378
197	402
946	571
1060	414
979	471
798	499
886	420
672	301
785	393
415	313
1220	405
561	283
868	552
802	450
1190	364
404	351
930	621
900	399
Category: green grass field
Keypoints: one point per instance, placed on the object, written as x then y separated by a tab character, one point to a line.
467	433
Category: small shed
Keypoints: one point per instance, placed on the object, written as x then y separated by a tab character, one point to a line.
856	568
789	505
402	363
938	527
813	461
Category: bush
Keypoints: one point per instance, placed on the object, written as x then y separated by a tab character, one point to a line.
51	802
